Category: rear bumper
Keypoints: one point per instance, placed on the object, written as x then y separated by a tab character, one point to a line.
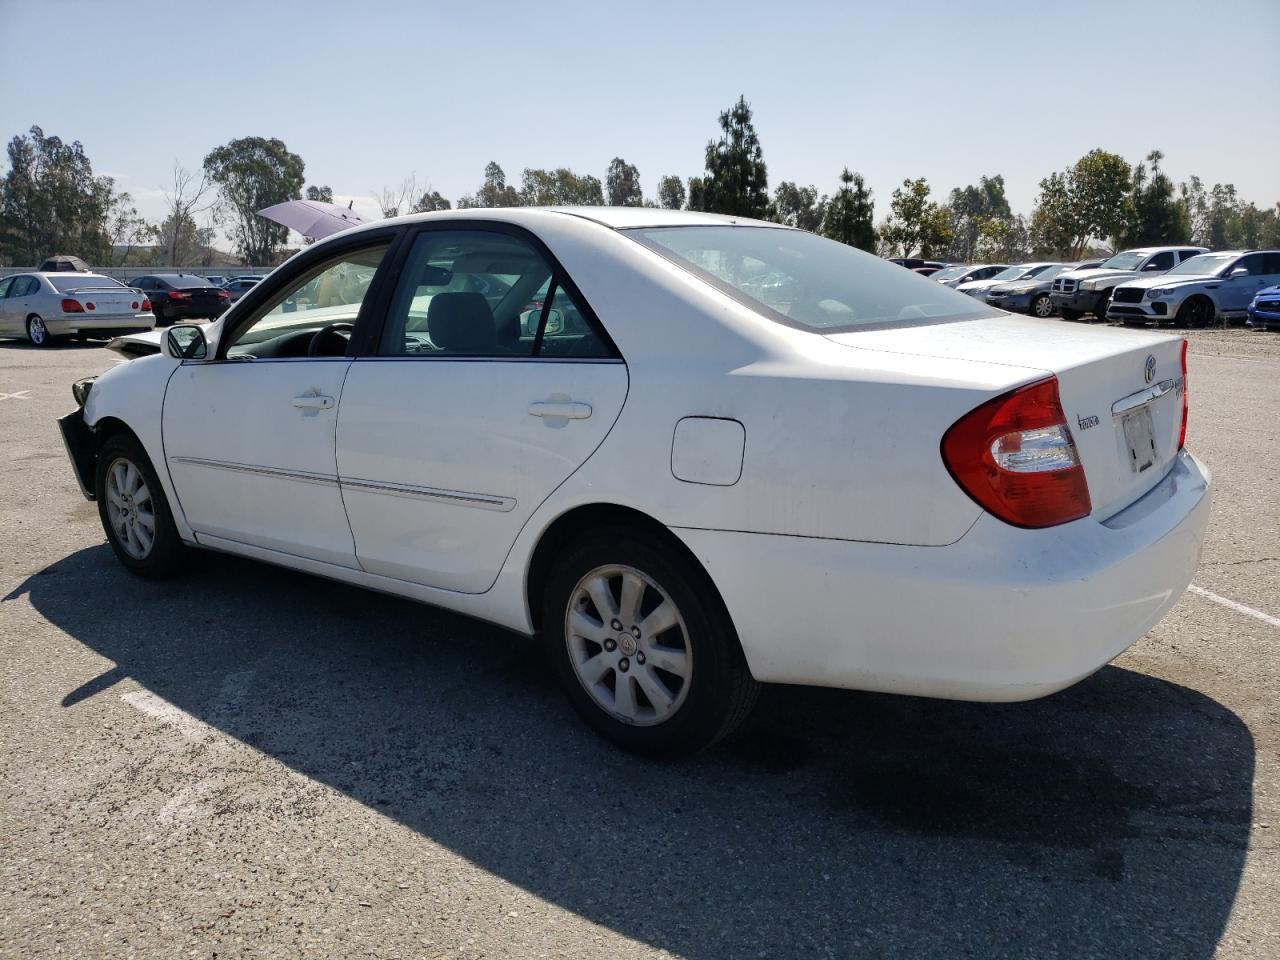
82	450
1000	615
116	325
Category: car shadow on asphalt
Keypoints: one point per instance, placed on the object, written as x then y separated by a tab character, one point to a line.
61	344
1110	819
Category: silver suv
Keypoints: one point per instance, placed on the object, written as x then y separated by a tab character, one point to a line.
1088	291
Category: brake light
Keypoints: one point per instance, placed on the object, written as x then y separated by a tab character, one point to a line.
146	306
134	306
179	295
223	295
1182	434
71	306
1015	457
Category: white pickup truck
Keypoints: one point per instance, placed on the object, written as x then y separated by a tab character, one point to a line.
1089	291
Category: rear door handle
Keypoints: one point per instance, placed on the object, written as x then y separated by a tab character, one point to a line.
313	402
569	410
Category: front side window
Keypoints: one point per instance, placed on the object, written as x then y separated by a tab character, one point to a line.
1161	261
315	315
1252	263
479	293
806	281
4	287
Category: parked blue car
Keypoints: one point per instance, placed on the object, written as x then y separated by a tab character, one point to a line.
1264	312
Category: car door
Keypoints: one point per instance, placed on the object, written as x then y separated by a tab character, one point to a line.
1236	292
6	323
17	303
249	435
490	383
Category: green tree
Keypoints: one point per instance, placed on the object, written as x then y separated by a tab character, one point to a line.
1158	216
429	202
671	193
1088	200
799	206
736	181
50	202
494	192
979	213
622	184
850	215
321	194
560	188
252	173
916	225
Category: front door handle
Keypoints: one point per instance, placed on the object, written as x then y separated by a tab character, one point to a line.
568	410
313	402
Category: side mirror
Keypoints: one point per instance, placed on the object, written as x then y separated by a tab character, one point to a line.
186	342
1238	272
1154	267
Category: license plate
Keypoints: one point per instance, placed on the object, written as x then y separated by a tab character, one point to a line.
1140	438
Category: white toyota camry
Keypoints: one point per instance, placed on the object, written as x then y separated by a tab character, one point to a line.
692	453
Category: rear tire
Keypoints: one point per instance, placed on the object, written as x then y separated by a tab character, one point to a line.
1042	306
642	644
37	333
134	511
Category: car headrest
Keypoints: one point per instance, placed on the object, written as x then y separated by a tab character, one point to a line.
461	323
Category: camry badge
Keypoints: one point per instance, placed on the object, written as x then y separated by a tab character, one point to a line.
1149	371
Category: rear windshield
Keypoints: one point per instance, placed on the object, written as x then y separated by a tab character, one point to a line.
950	273
183	282
806	281
73	281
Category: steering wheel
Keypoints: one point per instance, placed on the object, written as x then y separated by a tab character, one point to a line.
330	335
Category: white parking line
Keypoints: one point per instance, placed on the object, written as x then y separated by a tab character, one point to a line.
20	395
184	723
1237	607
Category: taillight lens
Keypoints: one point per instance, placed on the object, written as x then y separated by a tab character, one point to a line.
71	306
146	306
89	305
134	306
1182	434
1014	455
179	295
223	295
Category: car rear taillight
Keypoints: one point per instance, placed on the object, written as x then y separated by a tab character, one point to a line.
146	306
223	295
179	295
71	306
134	306
89	305
1182	434
1014	455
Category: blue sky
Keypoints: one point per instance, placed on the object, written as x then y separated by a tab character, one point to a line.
370	93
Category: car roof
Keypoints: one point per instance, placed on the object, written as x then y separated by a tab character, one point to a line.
617	218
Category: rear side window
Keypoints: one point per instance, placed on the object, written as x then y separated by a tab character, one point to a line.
479	293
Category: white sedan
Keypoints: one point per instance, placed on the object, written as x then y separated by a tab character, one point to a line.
692	453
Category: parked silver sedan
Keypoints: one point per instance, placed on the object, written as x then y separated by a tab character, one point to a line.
45	306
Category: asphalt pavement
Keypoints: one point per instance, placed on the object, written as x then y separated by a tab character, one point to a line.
251	762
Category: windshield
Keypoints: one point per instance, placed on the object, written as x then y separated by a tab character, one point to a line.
806	281
74	281
949	273
1206	263
1124	261
1014	273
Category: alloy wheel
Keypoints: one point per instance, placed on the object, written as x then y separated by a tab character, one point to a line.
1042	306
628	645
130	508
37	332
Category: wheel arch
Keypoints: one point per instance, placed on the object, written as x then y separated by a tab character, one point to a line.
577	520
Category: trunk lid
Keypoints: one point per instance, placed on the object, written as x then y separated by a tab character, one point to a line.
1125	424
107	301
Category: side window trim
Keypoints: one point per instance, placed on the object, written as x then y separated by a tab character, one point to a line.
368	346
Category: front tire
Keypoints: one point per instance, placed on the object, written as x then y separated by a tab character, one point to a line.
642	645
135	514
37	332
1197	312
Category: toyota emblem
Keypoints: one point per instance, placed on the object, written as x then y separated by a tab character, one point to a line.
1149	370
